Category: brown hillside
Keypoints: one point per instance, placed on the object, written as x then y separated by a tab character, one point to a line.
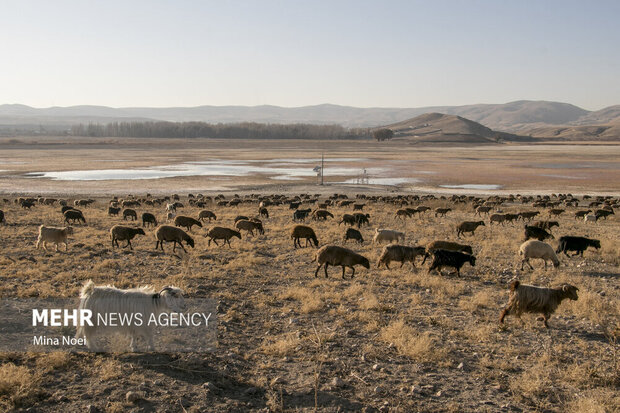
442	128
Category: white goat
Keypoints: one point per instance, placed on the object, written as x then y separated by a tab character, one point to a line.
133	304
388	235
171	208
55	235
589	218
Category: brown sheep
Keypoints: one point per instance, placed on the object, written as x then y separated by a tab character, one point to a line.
119	232
335	255
172	234
226	234
468	226
450	246
531	299
186	222
400	253
250	226
441	212
205	214
130	213
303	231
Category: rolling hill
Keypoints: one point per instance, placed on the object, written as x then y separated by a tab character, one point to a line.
442	128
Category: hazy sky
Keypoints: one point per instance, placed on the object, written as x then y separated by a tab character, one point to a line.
295	53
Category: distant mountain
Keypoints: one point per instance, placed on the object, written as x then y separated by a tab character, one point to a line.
442	128
520	117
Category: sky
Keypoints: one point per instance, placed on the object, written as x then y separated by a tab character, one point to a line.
296	53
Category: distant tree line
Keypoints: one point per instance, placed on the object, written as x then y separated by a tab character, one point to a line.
246	130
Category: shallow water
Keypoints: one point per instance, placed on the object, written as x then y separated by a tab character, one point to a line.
282	169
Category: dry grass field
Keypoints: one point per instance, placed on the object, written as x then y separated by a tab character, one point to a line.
396	340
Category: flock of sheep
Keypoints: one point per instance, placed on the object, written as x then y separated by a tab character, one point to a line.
444	253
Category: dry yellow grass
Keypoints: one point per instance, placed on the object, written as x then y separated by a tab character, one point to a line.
276	320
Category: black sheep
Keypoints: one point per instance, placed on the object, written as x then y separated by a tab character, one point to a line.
454	259
578	244
353	234
536	233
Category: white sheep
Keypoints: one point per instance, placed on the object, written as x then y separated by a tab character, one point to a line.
589	218
537	249
388	235
136	303
171	208
55	235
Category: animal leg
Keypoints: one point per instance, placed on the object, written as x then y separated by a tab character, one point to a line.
326	265
316	273
129	245
353	273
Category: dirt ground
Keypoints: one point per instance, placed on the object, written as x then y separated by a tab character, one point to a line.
387	340
397	340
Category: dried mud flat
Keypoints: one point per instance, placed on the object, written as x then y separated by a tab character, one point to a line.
578	169
387	340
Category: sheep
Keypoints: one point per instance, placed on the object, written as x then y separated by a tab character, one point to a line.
301	214
172	234
335	255
241	217
400	253
263	212
113	211
498	218
537	249
302	231
537	233
556	212
119	232
577	244
603	213
546	225
321	215
403	214
531	299
130	213
250	226
75	216
590	218
448	245
528	215
388	235
55	235
66	208
170	216
358	207
353	234
483	210
454	259
26	204
581	214
101	300
187	222
206	214
442	211
347	219
226	234
171	207
148	218
468	226
361	219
